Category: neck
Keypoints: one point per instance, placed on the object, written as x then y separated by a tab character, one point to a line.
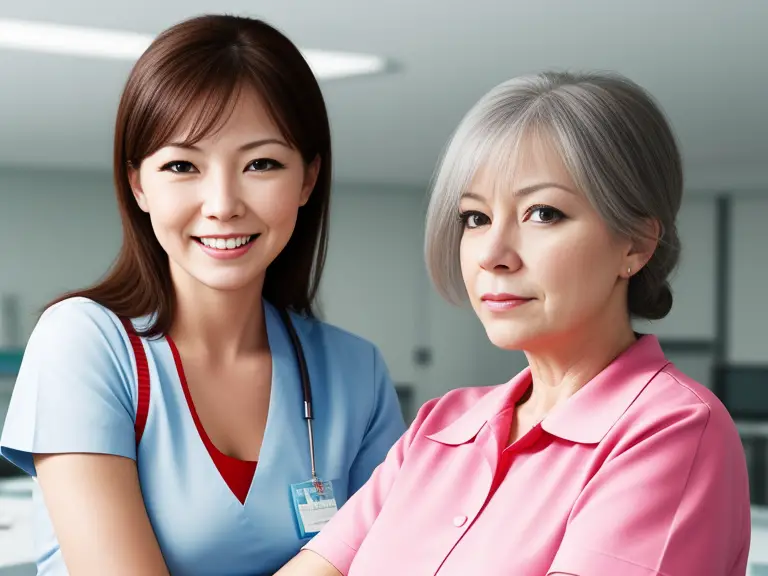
220	325
567	363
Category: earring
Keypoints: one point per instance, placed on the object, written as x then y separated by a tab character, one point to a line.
629	272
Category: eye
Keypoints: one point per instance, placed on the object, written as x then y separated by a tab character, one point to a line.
264	165
473	219
542	214
179	167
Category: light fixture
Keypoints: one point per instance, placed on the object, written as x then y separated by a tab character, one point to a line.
97	43
329	65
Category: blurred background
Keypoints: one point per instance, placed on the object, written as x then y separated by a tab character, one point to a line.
706	61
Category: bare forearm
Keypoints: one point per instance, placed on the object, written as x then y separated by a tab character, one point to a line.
307	563
99	516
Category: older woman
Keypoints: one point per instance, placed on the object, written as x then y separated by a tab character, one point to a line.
554	212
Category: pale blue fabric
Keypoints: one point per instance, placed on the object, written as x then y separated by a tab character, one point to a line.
76	392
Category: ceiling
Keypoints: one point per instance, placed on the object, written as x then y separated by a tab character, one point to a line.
705	60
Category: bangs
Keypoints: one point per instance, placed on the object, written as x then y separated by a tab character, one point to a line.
532	141
204	114
497	147
187	106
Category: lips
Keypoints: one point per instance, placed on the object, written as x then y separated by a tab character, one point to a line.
502	297
502	302
227	246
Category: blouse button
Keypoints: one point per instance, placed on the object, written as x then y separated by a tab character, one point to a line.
459	521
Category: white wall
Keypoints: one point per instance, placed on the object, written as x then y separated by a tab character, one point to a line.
748	286
693	285
59	230
374	282
693	289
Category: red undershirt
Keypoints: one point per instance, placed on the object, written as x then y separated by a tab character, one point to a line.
238	474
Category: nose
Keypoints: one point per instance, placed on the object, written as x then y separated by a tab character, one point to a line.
222	197
498	252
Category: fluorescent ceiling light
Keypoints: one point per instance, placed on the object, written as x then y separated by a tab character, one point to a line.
328	65
92	42
71	40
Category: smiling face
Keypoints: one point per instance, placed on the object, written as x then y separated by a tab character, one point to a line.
538	262
224	208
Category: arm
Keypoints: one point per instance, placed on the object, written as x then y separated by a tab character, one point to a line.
386	425
372	473
673	501
308	563
332	551
98	514
70	423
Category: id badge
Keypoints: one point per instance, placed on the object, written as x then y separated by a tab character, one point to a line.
313	504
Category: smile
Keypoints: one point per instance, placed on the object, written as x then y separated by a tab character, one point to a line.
229	243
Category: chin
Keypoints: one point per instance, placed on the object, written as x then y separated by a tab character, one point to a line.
506	338
509	335
229	282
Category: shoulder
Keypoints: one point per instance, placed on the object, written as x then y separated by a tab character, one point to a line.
320	331
674	402
78	328
458	411
349	368
355	379
717	421
678	392
75	388
72	314
338	346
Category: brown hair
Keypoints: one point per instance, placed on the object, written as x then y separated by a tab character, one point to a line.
198	67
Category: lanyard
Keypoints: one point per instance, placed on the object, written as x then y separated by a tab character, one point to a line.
305	386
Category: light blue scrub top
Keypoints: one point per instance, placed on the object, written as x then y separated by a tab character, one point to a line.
76	392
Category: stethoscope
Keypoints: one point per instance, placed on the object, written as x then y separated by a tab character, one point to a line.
306	387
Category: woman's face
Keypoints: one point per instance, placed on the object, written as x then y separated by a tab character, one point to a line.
224	208
538	261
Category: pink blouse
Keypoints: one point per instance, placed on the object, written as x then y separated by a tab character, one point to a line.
640	473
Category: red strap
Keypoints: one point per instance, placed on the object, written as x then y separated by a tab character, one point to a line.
142	376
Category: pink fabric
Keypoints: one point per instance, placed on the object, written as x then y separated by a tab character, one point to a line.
639	473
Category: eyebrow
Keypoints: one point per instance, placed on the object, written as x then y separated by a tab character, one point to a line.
243	148
524	191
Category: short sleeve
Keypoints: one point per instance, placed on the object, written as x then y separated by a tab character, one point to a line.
340	539
386	425
74	391
674	503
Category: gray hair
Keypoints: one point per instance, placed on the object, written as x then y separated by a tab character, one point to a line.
613	139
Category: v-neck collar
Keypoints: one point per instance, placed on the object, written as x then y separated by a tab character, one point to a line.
235	472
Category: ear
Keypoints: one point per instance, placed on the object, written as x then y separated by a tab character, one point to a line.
310	179
135	182
641	249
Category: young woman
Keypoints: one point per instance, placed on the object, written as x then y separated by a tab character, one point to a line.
188	414
554	213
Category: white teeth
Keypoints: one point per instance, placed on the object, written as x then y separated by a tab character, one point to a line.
225	243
